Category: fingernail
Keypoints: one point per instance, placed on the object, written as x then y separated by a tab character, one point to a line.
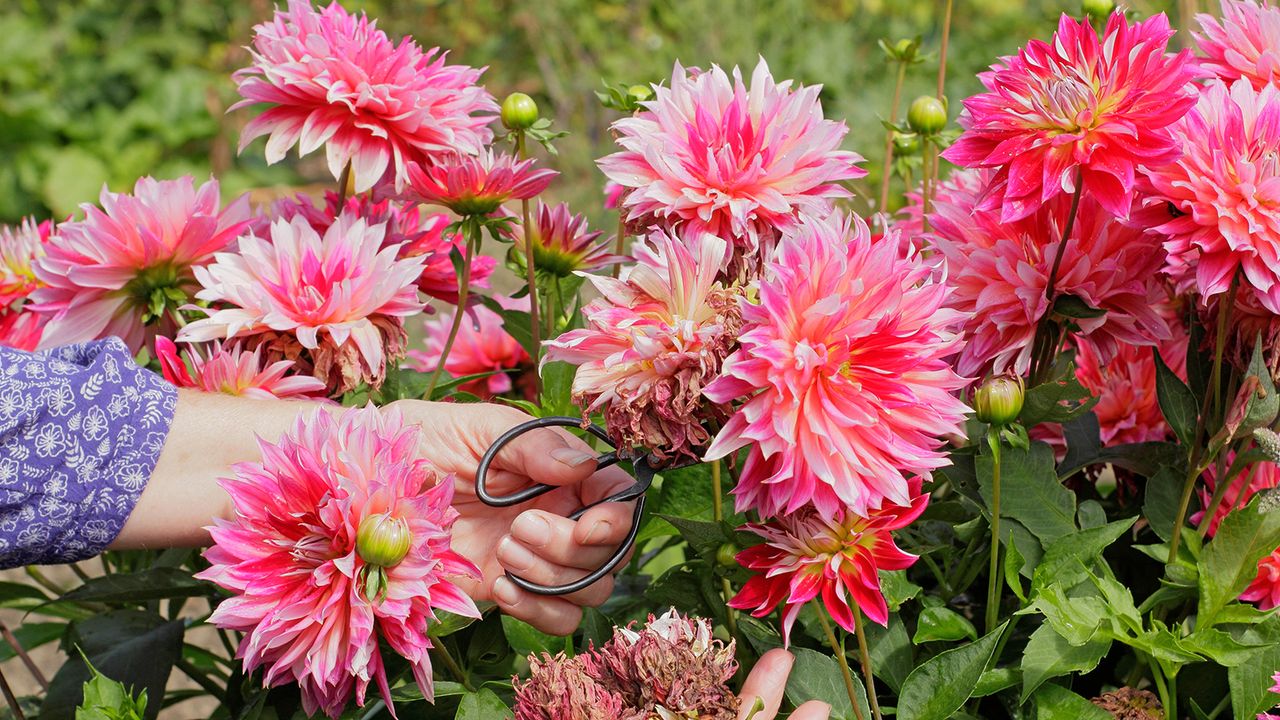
598	532
514	555
506	592
571	457
532	529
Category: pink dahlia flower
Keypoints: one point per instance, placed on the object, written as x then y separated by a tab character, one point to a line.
562	242
21	329
1128	410
291	560
336	304
122	269
1077	105
1226	190
738	162
1264	591
653	342
20	248
234	372
330	78
482	346
998	272
1244	43
836	559
843	364
476	185
418	233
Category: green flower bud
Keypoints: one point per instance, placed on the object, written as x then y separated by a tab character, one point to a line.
727	555
383	540
639	93
1098	9
519	112
927	115
999	399
906	143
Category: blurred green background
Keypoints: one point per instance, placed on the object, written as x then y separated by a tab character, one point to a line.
95	91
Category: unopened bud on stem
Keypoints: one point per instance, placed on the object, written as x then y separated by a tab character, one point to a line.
999	399
383	540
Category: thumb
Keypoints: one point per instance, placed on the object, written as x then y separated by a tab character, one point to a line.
546	455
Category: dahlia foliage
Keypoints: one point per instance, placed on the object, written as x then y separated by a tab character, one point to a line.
996	446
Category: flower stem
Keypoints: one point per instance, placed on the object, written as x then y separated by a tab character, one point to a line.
994	579
717	510
887	172
926	183
838	649
343	181
442	653
471	235
865	656
21	652
10	699
531	273
942	52
1219	494
1046	335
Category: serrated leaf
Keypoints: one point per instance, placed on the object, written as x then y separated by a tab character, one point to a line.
816	676
483	705
943	624
942	684
1230	562
1066	559
1177	403
1072	306
1058	400
1160	506
1030	491
1049	655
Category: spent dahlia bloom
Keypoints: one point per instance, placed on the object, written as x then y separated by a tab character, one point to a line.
294	557
836	559
416	232
330	78
843	361
335	304
559	688
1077	105
234	371
482	346
653	341
562	242
125	266
999	271
1226	191
736	161
1244	43
475	185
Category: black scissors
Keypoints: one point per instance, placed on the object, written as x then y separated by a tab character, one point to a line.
644	474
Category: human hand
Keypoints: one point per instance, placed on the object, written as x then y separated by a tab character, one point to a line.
534	540
766	682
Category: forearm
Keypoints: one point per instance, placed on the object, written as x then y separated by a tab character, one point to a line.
210	433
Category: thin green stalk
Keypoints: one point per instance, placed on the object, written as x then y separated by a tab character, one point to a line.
442	653
34	573
838	649
717	510
942	53
10	699
926	183
994	580
200	678
1158	678
531	272
1039	362
887	172
1171	710
865	656
471	234
344	180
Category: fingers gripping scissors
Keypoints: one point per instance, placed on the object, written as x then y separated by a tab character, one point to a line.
644	473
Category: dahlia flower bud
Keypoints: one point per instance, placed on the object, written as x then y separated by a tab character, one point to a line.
639	93
999	399
1098	9
383	540
906	143
519	112
927	115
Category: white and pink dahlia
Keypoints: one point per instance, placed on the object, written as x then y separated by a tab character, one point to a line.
476	185
834	560
1243	43
999	273
329	495
714	155
1078	105
843	369
331	78
234	371
334	303
1226	192
126	267
482	346
653	342
562	242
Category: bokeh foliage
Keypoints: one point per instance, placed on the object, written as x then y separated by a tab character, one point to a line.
95	91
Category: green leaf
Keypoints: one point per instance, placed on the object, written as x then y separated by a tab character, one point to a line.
410	692
1030	491
527	640
1066	559
32	635
943	624
448	623
685	492
483	705
1056	401
107	699
1013	564
1176	401
1076	619
131	646
892	654
1220	647
1049	655
1230	562
1251	681
941	685
151	584
896	588
1058	703
996	680
816	676
1160	506
705	537
557	388
1264	403
1072	306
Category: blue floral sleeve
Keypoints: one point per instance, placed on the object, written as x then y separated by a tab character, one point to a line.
81	429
